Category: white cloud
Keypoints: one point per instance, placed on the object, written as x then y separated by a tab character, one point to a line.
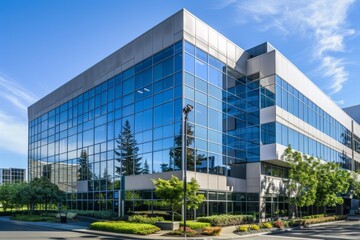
15	94
13	121
14	134
323	21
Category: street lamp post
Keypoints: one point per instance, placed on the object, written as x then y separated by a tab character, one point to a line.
186	110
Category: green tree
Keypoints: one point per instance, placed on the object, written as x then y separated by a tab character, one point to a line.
84	171
303	179
19	195
5	196
127	152
43	191
146	169
176	152
172	193
332	181
355	185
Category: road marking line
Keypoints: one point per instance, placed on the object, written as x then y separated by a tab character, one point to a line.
277	236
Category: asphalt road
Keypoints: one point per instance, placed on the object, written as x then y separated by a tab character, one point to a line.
338	231
21	231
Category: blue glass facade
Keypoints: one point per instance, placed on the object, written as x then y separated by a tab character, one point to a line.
224	130
148	96
285	96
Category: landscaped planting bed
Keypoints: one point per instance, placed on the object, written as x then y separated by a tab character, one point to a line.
125	227
227	220
195	225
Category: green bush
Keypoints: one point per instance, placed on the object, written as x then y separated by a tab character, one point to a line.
145	219
195	225
226	220
314	216
322	219
243	228
266	225
294	223
96	214
213	231
125	227
286	224
255	227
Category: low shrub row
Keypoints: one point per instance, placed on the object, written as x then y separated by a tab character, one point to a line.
212	231
314	216
323	219
125	227
179	232
195	225
145	219
254	227
227	220
265	225
96	214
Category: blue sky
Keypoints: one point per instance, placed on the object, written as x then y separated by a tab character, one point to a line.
43	44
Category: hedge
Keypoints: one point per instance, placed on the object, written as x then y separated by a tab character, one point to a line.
95	214
125	227
322	219
145	219
226	220
314	216
195	225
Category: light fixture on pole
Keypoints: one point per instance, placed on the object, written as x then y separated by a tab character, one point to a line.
186	110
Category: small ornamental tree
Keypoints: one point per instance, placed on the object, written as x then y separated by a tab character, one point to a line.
172	193
303	179
314	182
332	181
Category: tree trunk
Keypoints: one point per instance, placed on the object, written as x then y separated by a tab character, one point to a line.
172	215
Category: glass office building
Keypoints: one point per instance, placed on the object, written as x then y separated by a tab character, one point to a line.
12	175
106	133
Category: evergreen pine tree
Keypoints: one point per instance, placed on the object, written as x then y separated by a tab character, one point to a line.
84	171
176	152
146	169
127	152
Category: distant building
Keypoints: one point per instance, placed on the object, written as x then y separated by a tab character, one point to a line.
354	112
12	175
